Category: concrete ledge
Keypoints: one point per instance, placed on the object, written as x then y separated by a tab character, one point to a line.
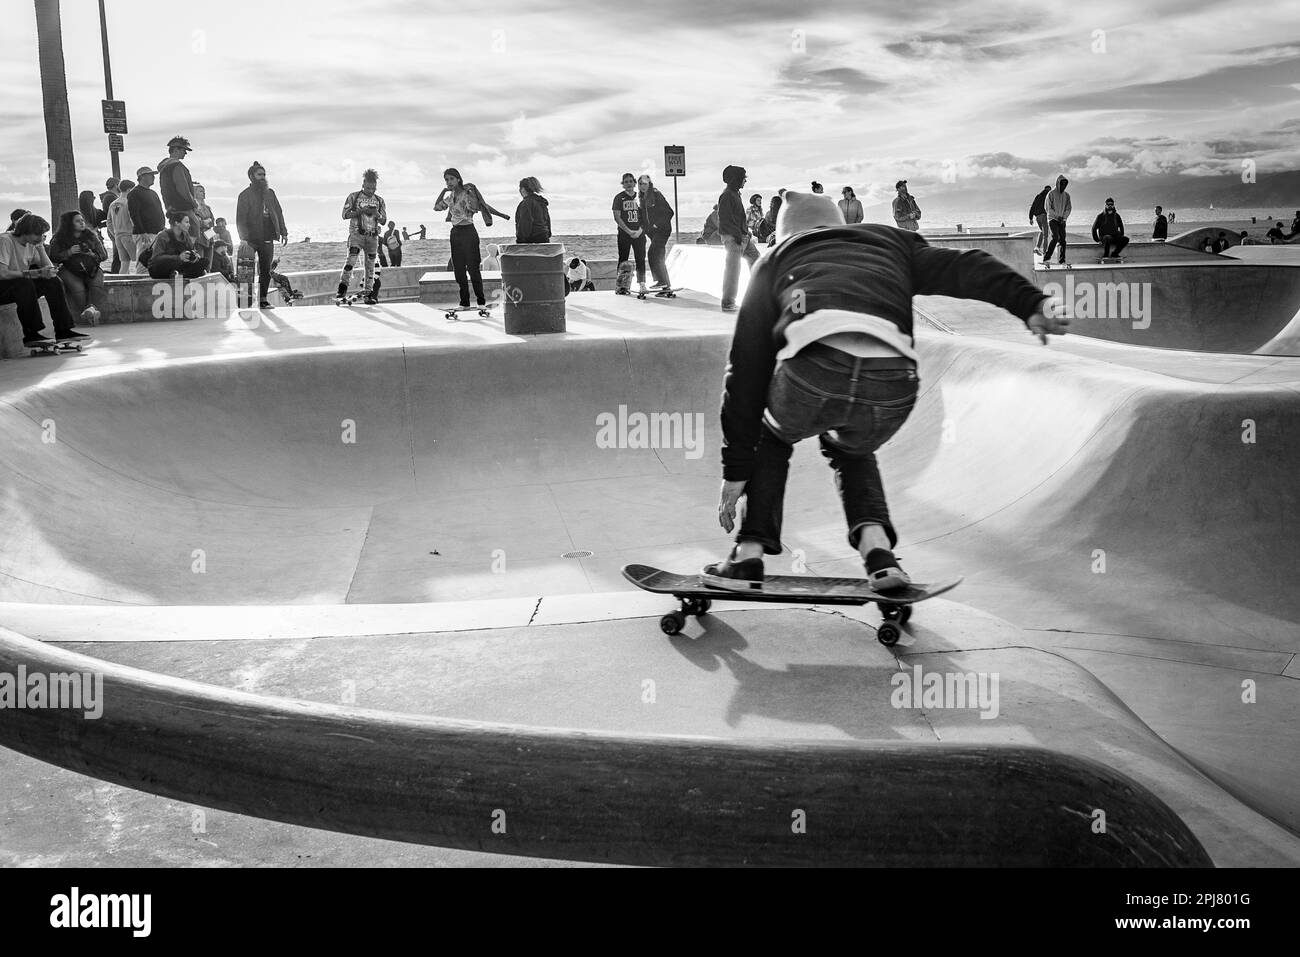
632	799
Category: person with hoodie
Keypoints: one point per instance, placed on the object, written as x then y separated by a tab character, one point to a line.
631	235
174	251
1038	217
462	201
177	187
1108	229
78	249
259	220
121	229
1058	211
907	215
533	214
823	346
147	216
658	218
735	234
365	211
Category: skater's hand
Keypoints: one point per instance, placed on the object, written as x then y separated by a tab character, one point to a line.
284	240
727	502
1048	321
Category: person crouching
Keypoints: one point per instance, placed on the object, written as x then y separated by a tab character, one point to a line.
174	252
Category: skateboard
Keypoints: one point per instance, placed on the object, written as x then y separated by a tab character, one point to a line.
664	293
1047	265
51	347
623	279
452	313
696	596
246	270
1111	260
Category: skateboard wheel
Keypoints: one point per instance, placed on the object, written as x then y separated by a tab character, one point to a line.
904	614
672	624
888	634
705	604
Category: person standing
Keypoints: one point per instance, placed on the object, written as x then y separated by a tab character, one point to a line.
147	216
817	187
735	234
260	222
107	198
631	236
1108	230
177	186
754	215
1160	231
658	218
462	201
769	221
533	214
850	206
120	228
393	243
907	215
364	210
1038	217
1058	211
78	249
222	229
27	276
207	222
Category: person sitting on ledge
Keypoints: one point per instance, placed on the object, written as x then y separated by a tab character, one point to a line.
76	247
174	252
26	274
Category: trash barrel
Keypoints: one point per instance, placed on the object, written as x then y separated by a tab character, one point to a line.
532	281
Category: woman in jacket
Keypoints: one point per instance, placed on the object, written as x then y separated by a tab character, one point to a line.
77	248
462	201
658	218
533	215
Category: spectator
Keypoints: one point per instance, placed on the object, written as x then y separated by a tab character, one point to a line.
1108	229
631	234
1295	224
754	214
1221	242
709	234
424	231
177	187
658	218
817	187
823	346
577	276
533	214
492	261
1058	212
207	224
78	249
773	208
94	216
111	195
1160	232
850	206
1275	234
1171	218
27	275
174	251
907	215
1038	217
1243	239
462	201
393	243
147	217
260	222
122	229
734	233
16	215
222	229
405	235
1206	245
222	264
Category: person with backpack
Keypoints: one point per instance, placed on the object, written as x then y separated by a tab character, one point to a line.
658	218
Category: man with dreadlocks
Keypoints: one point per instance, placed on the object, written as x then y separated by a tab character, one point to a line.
366	212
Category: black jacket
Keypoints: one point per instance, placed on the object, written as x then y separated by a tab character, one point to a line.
249	222
146	211
656	213
862	268
533	220
1039	206
732	220
1107	224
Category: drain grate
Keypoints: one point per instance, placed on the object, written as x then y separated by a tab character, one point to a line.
580	553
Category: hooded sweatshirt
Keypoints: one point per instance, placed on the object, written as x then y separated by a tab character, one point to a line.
533	220
731	207
1039	206
869	269
175	185
1058	200
1107	224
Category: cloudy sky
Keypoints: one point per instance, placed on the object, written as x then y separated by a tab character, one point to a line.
950	94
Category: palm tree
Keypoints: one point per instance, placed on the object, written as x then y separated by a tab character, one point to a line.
58	123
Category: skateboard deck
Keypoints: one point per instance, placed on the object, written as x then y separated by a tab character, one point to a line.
1111	260
452	313
696	595
50	347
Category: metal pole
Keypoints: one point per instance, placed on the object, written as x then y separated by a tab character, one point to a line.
108	80
677	227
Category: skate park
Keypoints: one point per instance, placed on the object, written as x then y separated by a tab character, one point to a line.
289	619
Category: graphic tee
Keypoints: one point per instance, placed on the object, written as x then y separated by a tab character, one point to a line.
628	210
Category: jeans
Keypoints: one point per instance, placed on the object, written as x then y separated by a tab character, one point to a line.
83	291
115	252
1058	236
626	244
1040	243
731	267
265	252
658	255
25	293
855	406
467	262
1112	245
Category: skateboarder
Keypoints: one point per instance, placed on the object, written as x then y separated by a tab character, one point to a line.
1108	229
1058	211
365	211
463	201
658	218
823	346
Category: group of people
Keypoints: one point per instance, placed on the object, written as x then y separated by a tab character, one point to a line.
1051	209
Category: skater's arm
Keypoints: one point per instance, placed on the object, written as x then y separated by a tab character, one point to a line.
749	374
350	207
973	274
441	204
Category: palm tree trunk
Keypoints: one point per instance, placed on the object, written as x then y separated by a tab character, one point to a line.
62	164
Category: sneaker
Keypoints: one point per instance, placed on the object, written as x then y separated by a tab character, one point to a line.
622	292
38	341
730	307
72	336
264	304
734	575
883	571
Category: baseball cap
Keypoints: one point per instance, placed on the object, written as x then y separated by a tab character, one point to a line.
180	141
901	182
145	171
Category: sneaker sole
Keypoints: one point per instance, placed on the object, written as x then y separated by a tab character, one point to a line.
731	584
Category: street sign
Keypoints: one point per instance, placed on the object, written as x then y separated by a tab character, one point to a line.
674	160
115	144
114	116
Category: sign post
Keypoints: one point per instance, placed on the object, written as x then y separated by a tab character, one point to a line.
108	93
675	166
